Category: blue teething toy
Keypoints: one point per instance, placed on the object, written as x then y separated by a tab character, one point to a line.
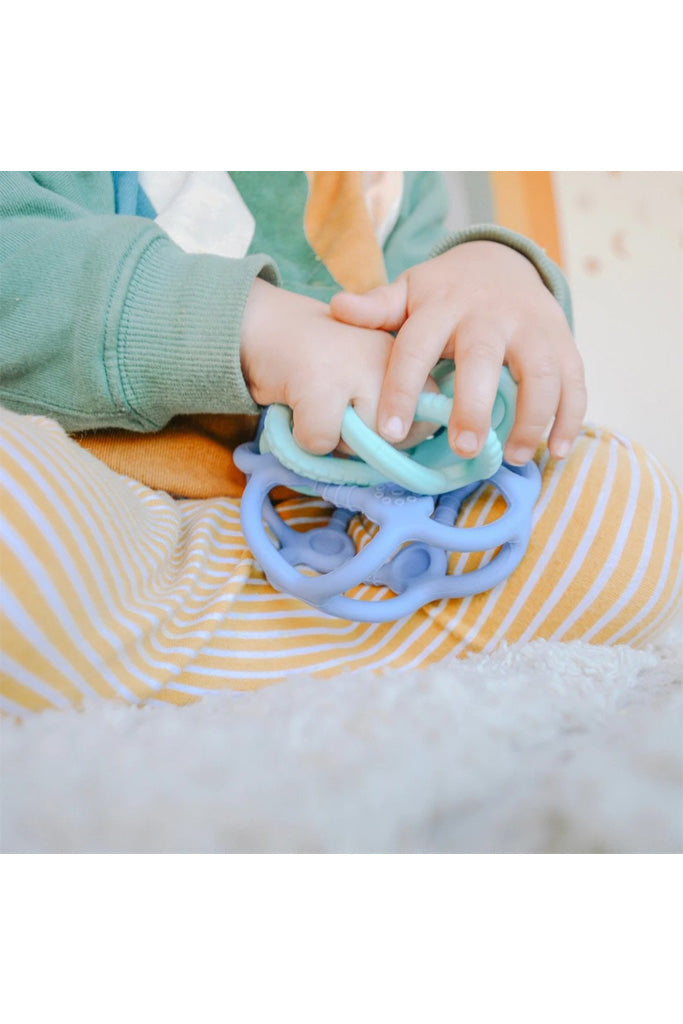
413	496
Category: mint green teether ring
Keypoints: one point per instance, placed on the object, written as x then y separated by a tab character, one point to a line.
431	467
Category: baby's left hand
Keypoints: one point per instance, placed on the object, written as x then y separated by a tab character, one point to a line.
481	304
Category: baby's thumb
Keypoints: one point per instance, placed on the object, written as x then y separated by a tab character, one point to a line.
383	308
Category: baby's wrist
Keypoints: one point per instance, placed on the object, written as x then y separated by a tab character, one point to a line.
274	325
260	313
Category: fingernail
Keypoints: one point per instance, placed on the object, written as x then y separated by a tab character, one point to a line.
520	456
393	429
466	443
562	449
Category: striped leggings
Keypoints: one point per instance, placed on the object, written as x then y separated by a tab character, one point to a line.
113	590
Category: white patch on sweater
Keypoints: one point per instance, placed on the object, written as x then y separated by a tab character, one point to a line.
383	194
202	211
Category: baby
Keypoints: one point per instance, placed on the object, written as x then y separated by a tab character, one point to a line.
144	314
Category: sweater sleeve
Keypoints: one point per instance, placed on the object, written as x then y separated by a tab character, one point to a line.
104	321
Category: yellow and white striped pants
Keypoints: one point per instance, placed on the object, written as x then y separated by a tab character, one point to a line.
113	590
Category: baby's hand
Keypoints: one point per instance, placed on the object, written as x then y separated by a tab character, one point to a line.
294	352
480	304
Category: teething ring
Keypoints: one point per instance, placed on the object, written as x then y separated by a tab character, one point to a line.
407	469
429	468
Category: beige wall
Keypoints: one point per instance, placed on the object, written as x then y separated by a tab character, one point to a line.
622	238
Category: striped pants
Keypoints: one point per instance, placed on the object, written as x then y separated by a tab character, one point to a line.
113	590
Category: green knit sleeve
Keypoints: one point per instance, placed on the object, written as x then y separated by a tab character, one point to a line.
550	273
104	321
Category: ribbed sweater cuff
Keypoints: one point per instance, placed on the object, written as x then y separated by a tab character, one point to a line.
550	273
178	342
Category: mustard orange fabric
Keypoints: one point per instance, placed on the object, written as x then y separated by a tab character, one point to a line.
340	231
525	202
190	458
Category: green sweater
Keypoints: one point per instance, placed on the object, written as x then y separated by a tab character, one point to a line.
104	321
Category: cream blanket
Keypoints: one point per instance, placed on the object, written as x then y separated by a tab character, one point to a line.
541	748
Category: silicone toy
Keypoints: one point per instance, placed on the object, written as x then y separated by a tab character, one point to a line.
414	497
432	467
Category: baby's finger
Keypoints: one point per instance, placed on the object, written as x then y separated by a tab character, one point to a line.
538	396
382	307
317	420
419	431
414	354
479	353
571	410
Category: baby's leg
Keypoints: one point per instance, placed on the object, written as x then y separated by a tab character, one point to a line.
604	563
112	590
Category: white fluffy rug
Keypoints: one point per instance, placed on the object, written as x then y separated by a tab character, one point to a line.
544	748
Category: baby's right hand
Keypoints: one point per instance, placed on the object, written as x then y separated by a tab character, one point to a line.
294	352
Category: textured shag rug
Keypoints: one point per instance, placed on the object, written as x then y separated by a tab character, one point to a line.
541	748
